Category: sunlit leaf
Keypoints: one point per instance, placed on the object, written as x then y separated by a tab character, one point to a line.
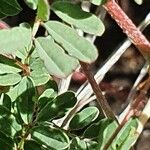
57	107
39	73
43	10
51	53
74	15
83	118
25	101
52	138
75	45
32	3
139	2
9	79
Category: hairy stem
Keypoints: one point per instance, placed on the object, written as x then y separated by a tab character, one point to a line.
128	27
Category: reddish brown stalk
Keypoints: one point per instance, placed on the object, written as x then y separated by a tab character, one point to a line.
128	27
24	67
101	100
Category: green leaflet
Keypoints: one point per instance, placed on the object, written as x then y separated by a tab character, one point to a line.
74	15
9	79
56	107
75	45
83	118
51	53
9	8
25	101
32	3
16	39
43	10
39	73
139	2
52	138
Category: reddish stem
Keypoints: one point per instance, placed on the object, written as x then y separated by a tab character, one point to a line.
128	27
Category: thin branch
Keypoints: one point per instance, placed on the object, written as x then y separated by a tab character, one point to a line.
64	84
132	93
144	117
128	27
101	100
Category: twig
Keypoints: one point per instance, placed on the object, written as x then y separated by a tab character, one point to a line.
101	100
144	117
64	84
128	27
133	92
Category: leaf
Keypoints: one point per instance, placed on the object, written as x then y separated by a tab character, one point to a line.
6	101
4	68
47	96
130	140
52	138
9	126
39	73
32	3
93	130
9	8
78	144
74	15
139	2
6	142
75	45
126	131
51	53
98	2
25	101
18	89
9	79
8	65
57	107
4	111
48	93
106	131
15	39
2	15
83	118
43	11
32	145
91	145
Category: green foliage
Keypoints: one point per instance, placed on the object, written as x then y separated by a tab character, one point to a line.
68	38
51	138
84	118
75	16
55	66
32	3
30	67
43	10
98	2
9	8
17	39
